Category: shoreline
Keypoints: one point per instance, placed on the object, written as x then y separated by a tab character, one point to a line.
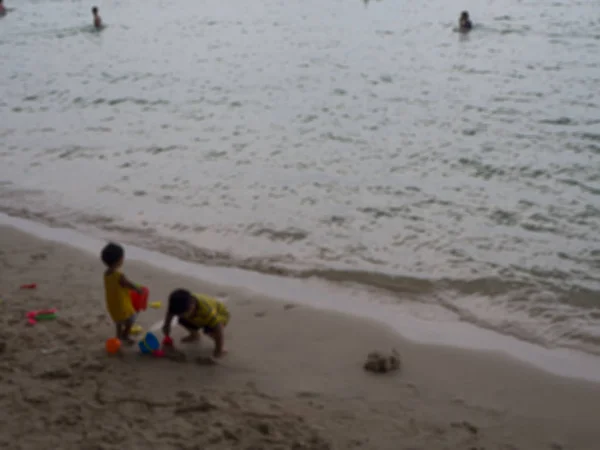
323	295
293	378
505	309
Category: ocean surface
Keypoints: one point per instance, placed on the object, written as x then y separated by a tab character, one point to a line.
368	144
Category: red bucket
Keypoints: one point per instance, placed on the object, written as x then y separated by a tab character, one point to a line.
140	301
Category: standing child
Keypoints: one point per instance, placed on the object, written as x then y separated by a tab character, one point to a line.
195	312
117	290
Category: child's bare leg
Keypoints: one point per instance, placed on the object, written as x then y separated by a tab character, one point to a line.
213	336
126	332
217	336
119	330
191	328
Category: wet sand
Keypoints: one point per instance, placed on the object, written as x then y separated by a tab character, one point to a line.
293	378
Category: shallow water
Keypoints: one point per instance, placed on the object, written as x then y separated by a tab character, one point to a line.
456	176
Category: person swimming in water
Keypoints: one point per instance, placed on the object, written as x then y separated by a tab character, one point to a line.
97	19
2	8
464	22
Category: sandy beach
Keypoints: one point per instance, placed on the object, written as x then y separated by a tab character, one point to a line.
293	378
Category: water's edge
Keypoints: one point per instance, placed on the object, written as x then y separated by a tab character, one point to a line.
322	294
484	301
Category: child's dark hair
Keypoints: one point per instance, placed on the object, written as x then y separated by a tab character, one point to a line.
112	254
95	10
179	301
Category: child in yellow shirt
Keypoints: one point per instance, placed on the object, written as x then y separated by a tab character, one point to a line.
196	312
117	291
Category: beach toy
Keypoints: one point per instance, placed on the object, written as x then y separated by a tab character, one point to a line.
155	305
167	341
136	329
29	286
140	301
113	345
44	314
158	353
45	317
149	344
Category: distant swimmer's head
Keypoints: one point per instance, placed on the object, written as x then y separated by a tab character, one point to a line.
464	22
95	10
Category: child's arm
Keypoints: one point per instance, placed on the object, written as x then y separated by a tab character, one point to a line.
124	282
219	338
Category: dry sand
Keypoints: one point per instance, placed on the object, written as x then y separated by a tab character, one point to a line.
293	378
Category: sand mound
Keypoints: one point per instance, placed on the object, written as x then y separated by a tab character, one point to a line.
382	363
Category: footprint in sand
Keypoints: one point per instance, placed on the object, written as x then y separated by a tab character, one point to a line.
466	425
205	361
176	355
242	302
38	257
307	394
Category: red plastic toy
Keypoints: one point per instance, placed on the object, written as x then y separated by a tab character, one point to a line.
167	341
140	301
